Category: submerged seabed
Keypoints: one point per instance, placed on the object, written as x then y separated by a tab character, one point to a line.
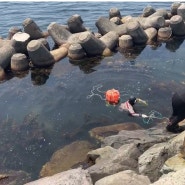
45	109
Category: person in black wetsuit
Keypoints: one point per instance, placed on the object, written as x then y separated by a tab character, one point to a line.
178	114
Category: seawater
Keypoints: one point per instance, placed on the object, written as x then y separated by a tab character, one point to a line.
43	109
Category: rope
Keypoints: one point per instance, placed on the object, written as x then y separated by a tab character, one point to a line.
96	88
153	115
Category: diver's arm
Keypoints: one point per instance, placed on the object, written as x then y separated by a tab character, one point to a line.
133	113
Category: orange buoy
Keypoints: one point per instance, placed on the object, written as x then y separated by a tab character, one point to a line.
112	96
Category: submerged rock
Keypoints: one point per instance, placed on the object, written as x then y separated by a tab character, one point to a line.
101	132
65	158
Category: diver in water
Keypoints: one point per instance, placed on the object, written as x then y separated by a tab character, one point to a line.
128	106
178	106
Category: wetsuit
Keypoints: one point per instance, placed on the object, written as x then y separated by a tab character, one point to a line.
178	114
128	107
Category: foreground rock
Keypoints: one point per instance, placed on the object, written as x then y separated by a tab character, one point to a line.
71	177
65	158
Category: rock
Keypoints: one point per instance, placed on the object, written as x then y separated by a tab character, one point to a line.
145	138
152	160
172	178
70	177
11	177
173	164
65	158
102	132
127	177
124	159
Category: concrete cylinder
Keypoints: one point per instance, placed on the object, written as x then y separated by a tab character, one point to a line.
114	12
2	74
126	19
160	12
116	20
12	31
39	54
75	24
177	25
6	52
76	52
19	62
121	29
44	42
110	39
181	11
155	22
59	53
91	45
32	29
59	33
174	7
20	41
151	34
125	41
104	25
137	33
147	11
164	33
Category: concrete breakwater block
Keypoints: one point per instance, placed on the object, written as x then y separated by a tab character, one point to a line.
110	39
104	25
136	32
177	25
181	11
151	34
91	45
12	31
44	42
147	11
32	29
19	62
76	52
164	33
59	33
39	54
20	42
174	7
6	52
114	12
160	12
125	41
75	24
60	52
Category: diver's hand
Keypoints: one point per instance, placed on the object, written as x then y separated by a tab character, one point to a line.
144	116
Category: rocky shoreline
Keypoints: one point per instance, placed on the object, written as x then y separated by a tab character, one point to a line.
147	157
133	156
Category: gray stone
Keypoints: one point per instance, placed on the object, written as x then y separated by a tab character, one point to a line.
70	177
127	177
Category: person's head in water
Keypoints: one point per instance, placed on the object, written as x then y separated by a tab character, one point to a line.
132	100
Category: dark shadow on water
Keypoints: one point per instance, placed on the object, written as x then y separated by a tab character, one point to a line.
39	76
132	53
174	44
87	64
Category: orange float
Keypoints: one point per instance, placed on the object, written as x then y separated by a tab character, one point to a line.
112	96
